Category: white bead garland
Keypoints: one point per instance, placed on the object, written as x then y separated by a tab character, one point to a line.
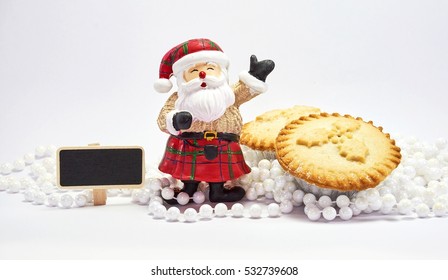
419	185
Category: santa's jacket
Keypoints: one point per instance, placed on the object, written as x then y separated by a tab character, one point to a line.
184	159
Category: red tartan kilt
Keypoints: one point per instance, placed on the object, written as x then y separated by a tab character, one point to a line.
185	160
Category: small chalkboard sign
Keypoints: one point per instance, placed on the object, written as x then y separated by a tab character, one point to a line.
97	167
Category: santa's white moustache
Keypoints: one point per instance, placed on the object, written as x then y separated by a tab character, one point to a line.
205	103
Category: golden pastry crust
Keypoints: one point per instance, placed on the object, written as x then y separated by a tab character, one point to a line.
261	133
337	152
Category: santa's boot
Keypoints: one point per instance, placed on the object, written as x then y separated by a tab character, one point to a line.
190	187
220	194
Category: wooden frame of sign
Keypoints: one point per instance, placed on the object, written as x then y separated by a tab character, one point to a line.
100	168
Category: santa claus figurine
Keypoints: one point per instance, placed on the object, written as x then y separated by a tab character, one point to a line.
203	117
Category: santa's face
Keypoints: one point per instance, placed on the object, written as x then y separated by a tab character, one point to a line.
210	69
204	92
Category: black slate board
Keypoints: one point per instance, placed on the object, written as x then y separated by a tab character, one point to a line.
101	166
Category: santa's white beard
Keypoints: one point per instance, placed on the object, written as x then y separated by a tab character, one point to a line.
205	104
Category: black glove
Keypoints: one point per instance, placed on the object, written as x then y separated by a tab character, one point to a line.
260	69
182	120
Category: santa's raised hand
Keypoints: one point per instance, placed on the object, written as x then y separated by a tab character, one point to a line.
261	69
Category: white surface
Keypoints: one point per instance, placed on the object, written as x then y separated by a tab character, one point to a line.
77	72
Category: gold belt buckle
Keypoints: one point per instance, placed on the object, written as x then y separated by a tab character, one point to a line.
210	135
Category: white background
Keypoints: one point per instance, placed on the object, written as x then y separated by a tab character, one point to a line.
77	72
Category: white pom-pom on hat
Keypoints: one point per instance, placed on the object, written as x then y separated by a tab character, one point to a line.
163	85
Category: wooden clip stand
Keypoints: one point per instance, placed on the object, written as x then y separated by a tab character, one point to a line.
99	197
100	168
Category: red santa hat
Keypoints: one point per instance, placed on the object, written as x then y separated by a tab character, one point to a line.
184	55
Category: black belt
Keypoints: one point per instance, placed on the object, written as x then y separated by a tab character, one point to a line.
210	135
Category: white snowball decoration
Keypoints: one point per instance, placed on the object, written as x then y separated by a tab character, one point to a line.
88	194
289	177
324	201
40	151
368	210
183	198
50	151
159	211
342	201
155	184
28	195
28	158
172	214
136	195
273	210
198	197
286	206
298	195
80	200
355	210
156	199
280	182
259	189
206	211
345	213
144	197
268	185
6	168
389	200
264	174
376	204
221	210
167	193
49	164
237	210
361	203
329	213
39	198
255	173
433	173
409	171
14	185
372	194
18	165
152	206
255	211
290	186
251	194
313	213
66	200
422	210
190	215
53	200
276	172
309	198
439	209
264	164
165	182
285	195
